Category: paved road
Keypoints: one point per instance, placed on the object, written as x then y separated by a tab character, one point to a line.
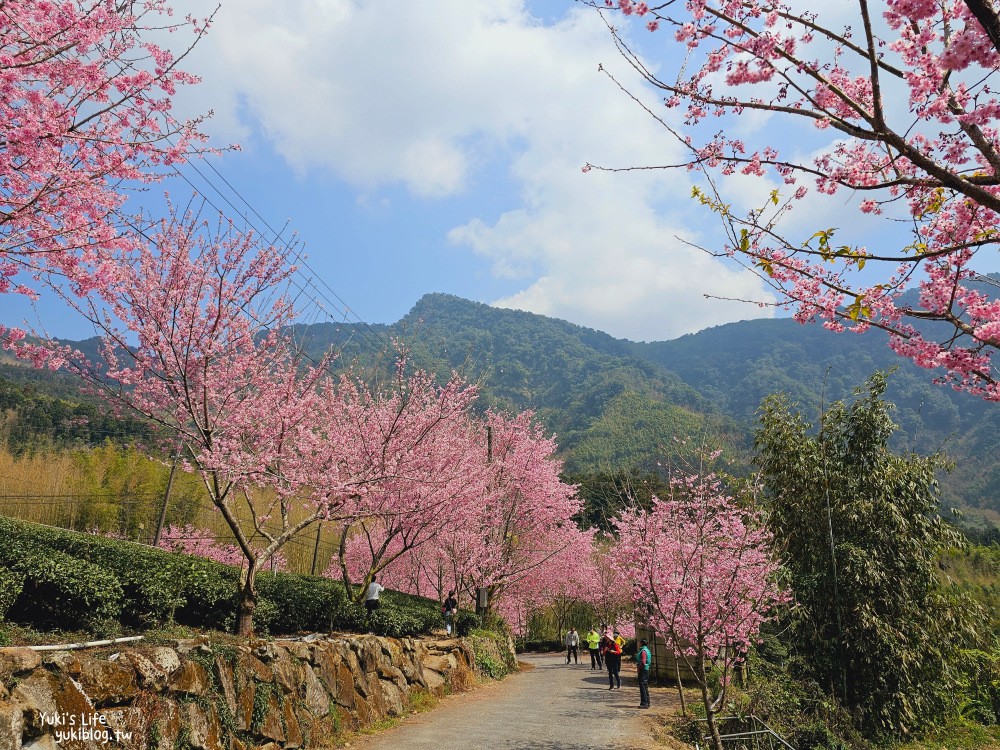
550	707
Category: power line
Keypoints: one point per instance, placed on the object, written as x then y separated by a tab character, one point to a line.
297	254
299	257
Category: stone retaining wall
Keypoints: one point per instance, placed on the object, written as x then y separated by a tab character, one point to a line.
194	695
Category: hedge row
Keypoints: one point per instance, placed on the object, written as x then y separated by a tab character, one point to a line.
71	579
11	584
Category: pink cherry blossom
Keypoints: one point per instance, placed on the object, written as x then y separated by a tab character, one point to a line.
701	570
85	104
907	108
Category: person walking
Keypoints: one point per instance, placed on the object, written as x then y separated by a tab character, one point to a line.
448	610
372	595
572	644
643	662
594	647
613	660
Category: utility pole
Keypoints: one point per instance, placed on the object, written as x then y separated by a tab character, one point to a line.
319	528
166	498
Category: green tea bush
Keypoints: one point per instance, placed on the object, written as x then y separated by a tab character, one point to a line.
11	584
74	578
307	602
61	591
158	586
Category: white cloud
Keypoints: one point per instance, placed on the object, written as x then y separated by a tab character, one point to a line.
609	262
423	94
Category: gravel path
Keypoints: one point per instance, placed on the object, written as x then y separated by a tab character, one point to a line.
549	706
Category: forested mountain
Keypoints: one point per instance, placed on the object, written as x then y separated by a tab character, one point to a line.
608	406
616	404
736	365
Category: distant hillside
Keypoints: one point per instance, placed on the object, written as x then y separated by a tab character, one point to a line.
737	365
583	384
615	404
40	410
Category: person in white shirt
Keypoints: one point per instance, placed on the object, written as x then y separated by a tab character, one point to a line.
572	643
371	596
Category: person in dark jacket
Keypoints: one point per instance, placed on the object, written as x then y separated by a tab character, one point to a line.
613	659
449	608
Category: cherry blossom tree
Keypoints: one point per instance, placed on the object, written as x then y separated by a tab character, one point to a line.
899	101
702	570
191	540
85	104
569	579
195	339
560	584
411	459
610	597
522	520
508	527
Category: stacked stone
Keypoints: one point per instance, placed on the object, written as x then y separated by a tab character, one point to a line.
275	696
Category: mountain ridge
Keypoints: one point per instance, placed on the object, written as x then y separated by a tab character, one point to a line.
614	403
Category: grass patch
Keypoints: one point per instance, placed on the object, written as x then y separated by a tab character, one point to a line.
959	734
421	701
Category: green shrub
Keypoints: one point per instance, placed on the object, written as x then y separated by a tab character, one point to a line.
466	622
392	622
492	652
61	591
306	602
490	666
157	586
979	699
11	584
544	646
105	579
815	735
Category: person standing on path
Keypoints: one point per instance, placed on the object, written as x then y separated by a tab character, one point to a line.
613	660
372	595
448	610
643	662
594	647
572	645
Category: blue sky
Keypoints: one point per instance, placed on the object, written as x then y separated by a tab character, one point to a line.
437	146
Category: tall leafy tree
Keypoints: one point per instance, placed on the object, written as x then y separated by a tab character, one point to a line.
861	533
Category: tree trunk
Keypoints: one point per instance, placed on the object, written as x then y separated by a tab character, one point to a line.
713	729
987	17
342	557
680	686
248	601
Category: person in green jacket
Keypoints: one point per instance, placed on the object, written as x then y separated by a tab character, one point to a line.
593	639
643	662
